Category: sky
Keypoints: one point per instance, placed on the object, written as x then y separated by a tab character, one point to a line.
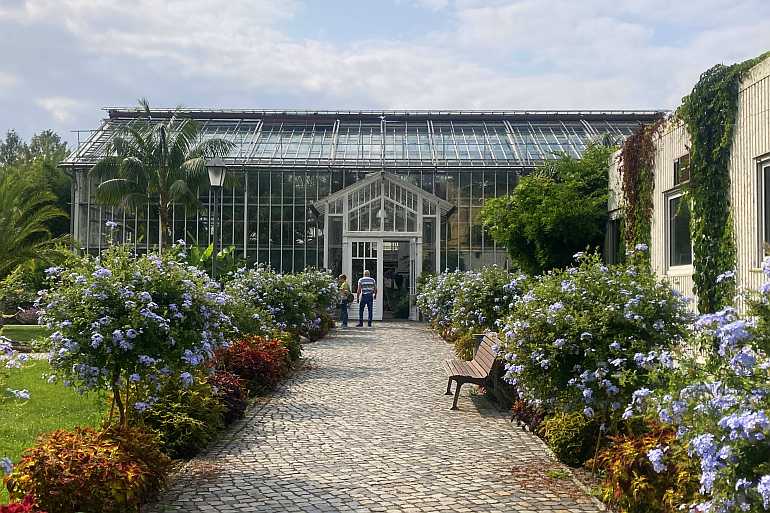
65	60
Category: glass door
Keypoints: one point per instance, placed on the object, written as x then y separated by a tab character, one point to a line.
396	278
366	255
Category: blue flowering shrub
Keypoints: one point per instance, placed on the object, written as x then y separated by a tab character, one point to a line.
717	401
289	302
460	304
10	359
587	337
123	323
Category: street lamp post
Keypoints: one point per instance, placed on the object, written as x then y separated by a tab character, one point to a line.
216	168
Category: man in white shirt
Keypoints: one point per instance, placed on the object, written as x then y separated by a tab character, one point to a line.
366	294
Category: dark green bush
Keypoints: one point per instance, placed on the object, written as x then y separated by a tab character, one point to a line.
186	418
571	436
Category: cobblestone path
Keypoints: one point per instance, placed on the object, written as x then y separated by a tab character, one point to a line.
364	426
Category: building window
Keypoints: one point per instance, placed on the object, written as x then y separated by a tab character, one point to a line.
613	249
678	222
682	170
765	205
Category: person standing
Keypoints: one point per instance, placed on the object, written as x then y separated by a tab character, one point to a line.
346	296
366	294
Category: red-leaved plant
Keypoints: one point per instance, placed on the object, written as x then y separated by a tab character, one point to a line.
259	361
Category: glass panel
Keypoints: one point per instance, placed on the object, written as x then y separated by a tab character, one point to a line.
411	222
679	226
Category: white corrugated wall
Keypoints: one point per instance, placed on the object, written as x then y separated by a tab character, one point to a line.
751	146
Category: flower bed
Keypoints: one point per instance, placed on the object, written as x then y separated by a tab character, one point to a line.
146	329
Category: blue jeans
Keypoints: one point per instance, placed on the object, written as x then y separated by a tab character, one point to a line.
367	300
344	313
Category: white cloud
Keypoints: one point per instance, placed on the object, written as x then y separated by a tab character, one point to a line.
496	54
61	108
8	81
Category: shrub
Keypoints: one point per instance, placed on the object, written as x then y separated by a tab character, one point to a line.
292	344
319	328
585	338
459	303
571	436
27	505
120	321
717	400
231	391
293	300
184	413
261	362
10	359
16	291
631	484
527	414
91	471
465	346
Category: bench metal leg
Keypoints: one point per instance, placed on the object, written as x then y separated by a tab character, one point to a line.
457	394
449	387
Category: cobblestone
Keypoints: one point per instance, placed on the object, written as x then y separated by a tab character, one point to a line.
364	426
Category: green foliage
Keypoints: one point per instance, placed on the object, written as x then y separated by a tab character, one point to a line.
571	436
465	346
558	210
709	114
25	214
584	338
157	161
630	483
16	292
90	471
227	260
186	418
636	163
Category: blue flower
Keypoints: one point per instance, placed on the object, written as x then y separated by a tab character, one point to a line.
141	406
615	346
656	456
134	378
6	465
187	379
588	412
763	488
102	273
641	247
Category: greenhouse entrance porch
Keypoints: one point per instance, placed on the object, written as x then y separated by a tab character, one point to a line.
389	227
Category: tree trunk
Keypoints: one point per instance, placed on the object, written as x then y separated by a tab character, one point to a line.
117	401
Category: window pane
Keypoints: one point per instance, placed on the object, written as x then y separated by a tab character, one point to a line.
681	247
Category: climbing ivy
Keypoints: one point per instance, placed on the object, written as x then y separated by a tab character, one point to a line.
636	163
708	113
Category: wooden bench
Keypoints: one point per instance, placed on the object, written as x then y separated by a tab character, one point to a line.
476	371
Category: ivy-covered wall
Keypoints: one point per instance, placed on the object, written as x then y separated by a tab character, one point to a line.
725	235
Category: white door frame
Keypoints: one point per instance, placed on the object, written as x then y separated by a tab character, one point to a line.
415	257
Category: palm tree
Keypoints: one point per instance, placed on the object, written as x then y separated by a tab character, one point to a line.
160	162
25	213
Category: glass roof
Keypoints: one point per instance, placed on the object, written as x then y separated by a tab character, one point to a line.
389	139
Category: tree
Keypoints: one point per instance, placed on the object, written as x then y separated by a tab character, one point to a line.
158	162
25	213
558	210
12	149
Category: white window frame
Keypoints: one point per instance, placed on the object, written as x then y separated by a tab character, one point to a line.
685	269
763	167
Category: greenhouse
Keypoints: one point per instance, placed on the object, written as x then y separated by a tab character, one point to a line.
397	193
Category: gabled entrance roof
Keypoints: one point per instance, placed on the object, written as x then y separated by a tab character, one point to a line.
322	205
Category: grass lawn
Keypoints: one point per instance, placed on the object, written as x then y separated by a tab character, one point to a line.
23	332
51	406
